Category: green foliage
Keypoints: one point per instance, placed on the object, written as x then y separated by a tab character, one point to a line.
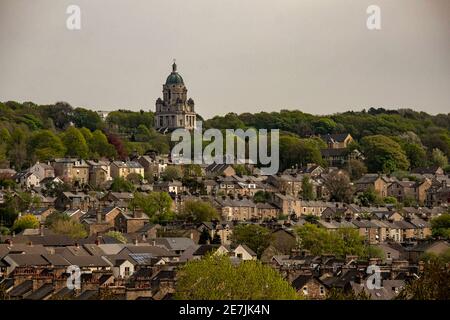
440	226
117	235
172	173
75	143
4	231
369	198
199	211
241	170
416	154
254	236
156	205
100	146
310	218
433	283
70	228
339	186
319	241
261	196
215	278
120	184
55	216
390	200
356	169
27	221
383	154
87	118
307	189
44	145
438	158
298	152
129	121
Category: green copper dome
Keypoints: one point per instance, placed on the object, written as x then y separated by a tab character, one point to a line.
174	77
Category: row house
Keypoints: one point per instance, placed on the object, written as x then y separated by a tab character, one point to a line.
439	192
405	189
42	170
244	210
287	184
154	166
99	173
121	169
287	204
72	170
375	182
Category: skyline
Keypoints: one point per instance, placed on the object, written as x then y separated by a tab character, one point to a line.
234	57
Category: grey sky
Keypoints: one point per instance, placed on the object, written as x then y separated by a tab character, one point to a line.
234	55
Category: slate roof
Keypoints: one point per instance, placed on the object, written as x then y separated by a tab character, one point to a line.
22	289
175	244
42	292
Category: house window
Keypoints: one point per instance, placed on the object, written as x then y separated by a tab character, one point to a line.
388	255
127	271
322	290
239	255
305	290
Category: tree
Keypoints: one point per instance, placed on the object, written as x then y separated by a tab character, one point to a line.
438	158
116	235
298	152
192	171
440	226
135	178
115	140
339	187
215	278
356	169
87	118
241	170
70	228
433	283
27	221
369	197
172	173
75	143
416	154
261	196
254	236
383	154
156	205
307	189
120	184
344	241
17	148
99	145
199	211
44	145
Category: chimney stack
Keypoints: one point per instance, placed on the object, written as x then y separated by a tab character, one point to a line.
99	216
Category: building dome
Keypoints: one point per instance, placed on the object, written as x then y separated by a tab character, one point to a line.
174	77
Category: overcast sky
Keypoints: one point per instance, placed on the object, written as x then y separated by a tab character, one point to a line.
234	55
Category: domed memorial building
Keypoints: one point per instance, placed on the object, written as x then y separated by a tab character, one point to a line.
174	110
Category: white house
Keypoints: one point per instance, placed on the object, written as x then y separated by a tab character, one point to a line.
123	269
27	179
244	253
